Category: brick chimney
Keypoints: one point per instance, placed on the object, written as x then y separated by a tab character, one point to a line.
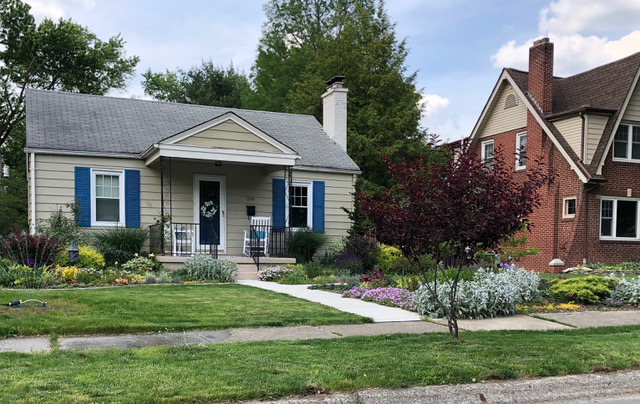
541	73
334	111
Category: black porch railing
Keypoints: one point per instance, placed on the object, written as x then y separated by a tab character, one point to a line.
183	239
269	241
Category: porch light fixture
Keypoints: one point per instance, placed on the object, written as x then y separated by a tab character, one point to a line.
74	252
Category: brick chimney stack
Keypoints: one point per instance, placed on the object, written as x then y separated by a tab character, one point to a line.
541	73
334	111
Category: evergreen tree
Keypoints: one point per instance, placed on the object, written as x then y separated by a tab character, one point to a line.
357	40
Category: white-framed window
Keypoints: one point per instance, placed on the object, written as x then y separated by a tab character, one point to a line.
107	198
626	143
619	218
299	205
487	153
521	151
569	207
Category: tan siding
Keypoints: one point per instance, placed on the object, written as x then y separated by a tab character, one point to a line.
632	113
55	187
229	135
499	120
595	126
571	129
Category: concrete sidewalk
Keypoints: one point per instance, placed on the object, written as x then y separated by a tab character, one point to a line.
379	314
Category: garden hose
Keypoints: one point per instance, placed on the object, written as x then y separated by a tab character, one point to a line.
18	303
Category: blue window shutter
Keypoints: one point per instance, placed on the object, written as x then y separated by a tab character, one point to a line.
318	206
132	198
278	202
83	195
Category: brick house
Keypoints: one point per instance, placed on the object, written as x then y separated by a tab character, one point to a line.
587	128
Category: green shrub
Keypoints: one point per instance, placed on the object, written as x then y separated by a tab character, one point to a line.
274	272
89	276
349	263
305	243
88	258
161	277
627	290
365	249
591	289
206	268
139	265
120	244
313	269
63	228
386	257
293	278
23	276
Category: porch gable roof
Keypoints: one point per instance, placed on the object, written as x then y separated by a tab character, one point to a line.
227	137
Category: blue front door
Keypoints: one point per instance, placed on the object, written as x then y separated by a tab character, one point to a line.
209	226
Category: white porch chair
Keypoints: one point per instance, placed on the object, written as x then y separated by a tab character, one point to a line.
261	233
183	239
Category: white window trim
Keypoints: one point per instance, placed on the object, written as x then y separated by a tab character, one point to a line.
614	220
519	137
483	149
566	215
309	186
120	174
629	145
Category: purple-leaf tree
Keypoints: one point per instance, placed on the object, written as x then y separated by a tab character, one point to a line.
451	207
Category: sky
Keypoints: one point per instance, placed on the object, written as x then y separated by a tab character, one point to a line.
457	47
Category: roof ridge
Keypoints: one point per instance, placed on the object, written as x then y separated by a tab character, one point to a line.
165	102
636	54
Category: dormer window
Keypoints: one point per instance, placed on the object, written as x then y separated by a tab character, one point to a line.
626	143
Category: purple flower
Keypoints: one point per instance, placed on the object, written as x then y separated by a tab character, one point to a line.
30	262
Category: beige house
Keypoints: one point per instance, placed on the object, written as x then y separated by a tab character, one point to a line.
206	170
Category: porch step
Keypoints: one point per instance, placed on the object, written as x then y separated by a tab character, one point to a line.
247	269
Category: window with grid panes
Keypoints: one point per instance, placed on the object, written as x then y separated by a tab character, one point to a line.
299	206
107	197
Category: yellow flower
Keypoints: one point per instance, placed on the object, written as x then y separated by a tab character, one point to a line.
151	255
135	255
115	263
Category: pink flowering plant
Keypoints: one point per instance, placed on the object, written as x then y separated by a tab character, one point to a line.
393	297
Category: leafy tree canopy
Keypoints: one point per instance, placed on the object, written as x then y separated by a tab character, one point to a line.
306	42
51	55
202	85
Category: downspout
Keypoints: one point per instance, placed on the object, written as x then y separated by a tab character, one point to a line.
162	215
32	164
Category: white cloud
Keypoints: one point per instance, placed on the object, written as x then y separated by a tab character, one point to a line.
434	104
55	9
571	24
564	17
572	53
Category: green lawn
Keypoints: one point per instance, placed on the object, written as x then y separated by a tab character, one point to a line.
261	370
159	308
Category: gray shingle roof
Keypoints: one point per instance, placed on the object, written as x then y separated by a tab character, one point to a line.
108	125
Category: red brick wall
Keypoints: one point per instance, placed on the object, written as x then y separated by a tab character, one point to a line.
564	238
541	73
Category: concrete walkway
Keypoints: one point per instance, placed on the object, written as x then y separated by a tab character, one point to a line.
379	314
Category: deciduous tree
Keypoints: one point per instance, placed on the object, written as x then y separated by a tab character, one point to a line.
453	209
202	85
